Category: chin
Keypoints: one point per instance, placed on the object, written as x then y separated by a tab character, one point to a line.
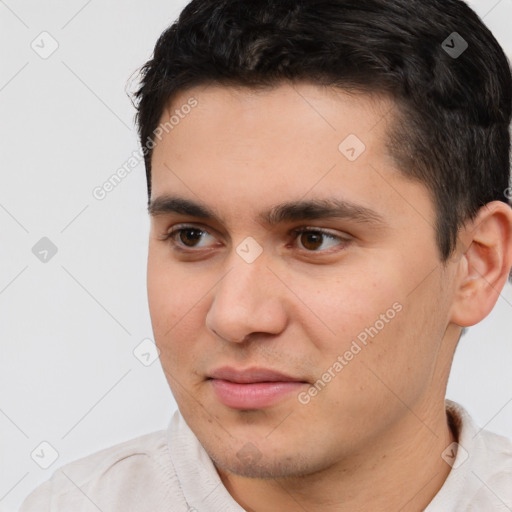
250	462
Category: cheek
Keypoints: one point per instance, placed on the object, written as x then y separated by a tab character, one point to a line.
178	302
170	296
400	354
347	306
373	324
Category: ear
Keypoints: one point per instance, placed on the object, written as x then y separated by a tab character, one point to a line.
484	265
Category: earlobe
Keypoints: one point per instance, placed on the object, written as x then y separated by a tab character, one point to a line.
484	266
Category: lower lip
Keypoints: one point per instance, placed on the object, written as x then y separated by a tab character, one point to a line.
256	395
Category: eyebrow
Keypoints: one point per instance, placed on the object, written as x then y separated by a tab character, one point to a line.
287	212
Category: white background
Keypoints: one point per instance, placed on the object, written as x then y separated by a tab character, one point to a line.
68	327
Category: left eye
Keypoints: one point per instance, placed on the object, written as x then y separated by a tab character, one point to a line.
313	239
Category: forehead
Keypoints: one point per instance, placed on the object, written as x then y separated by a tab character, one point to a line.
293	125
298	108
239	146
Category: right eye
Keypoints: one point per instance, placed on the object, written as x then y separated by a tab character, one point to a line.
188	237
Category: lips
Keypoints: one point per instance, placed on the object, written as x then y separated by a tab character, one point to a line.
251	375
253	388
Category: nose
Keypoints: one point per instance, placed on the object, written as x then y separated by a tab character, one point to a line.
248	300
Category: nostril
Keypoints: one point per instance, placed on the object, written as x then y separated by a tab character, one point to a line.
231	340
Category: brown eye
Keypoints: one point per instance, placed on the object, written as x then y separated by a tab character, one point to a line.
190	236
311	240
318	240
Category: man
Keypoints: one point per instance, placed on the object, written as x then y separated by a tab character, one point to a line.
328	187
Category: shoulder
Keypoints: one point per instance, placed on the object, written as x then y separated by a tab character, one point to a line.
481	474
492	470
490	452
115	478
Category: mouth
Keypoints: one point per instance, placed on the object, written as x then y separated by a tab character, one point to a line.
252	388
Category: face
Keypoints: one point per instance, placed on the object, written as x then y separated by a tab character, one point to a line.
295	288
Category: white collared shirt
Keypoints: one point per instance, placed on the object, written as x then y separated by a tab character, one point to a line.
169	471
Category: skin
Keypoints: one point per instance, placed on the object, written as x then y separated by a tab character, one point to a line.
372	438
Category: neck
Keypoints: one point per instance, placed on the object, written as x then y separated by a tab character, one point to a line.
401	470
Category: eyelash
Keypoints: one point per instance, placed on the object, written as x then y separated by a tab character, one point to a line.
295	233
